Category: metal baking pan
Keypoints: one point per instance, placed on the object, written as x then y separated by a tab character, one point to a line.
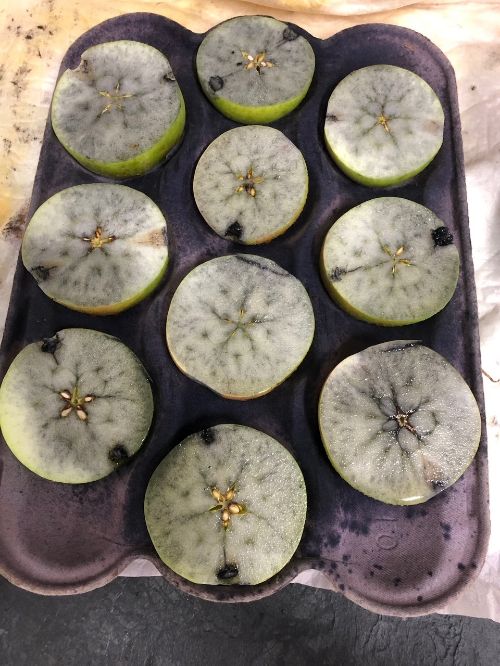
64	539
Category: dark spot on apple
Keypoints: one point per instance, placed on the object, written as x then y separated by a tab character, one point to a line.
442	236
396	581
50	345
461	566
378	566
234	230
420	598
429	573
41	273
227	572
332	117
216	83
289	35
342	587
337	273
372	573
207	435
118	454
438	484
346	558
473	565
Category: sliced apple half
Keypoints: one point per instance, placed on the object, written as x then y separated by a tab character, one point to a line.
75	406
251	184
255	69
398	422
97	248
226	506
239	324
383	125
390	261
120	111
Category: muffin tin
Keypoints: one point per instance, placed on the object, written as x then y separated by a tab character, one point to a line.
63	539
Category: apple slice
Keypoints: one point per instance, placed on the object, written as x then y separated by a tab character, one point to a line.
239	324
251	184
97	248
390	261
384	125
226	506
255	69
398	422
75	406
121	111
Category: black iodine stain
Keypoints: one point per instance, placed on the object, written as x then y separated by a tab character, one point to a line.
234	230
442	236
414	511
41	273
51	345
216	83
398	348
118	454
227	572
207	435
334	539
355	526
446	531
289	35
337	273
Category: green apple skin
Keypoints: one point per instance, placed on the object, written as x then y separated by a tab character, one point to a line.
257	115
140	164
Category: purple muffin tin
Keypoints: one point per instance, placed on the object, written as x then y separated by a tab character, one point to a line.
64	539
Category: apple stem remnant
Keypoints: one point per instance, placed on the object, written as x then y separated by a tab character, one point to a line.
396	258
256	62
250	181
97	240
74	401
115	99
225	505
